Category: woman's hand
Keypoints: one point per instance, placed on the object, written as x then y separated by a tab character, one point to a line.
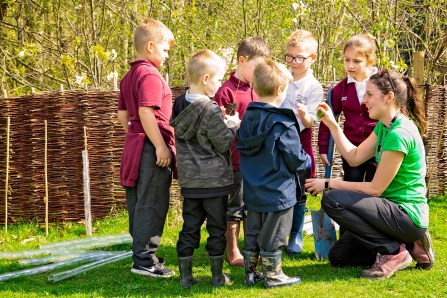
314	186
326	115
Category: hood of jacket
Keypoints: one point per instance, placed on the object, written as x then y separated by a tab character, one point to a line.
258	120
187	122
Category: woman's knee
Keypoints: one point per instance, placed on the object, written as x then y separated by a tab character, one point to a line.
327	203
333	257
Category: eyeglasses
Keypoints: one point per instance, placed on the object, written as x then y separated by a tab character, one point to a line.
297	59
389	79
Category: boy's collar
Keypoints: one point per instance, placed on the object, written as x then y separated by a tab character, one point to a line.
193	97
237	82
138	62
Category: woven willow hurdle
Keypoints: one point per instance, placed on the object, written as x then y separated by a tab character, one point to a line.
68	112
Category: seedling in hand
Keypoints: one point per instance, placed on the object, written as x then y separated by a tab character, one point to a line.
319	112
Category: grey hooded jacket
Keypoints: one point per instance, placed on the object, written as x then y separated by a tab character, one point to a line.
202	142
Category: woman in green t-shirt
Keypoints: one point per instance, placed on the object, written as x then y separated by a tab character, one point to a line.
389	215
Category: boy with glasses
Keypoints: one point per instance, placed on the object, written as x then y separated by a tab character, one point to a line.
304	95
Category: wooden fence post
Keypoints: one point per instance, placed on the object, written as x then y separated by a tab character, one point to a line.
86	178
419	72
7	173
46	177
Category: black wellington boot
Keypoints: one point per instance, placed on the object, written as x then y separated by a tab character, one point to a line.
219	278
185	268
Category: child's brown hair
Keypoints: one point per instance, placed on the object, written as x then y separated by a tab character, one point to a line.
253	47
363	44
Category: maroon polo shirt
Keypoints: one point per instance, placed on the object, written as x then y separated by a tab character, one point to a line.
143	86
235	90
357	127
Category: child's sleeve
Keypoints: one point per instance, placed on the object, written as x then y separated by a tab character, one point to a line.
223	96
219	134
315	98
151	92
290	147
121	103
323	131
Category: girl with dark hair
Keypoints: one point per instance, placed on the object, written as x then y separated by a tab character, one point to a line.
389	215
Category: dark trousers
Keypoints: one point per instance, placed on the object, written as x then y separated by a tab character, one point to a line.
347	251
148	204
363	172
195	211
267	231
301	196
236	208
377	224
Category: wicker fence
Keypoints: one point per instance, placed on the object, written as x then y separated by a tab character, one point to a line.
68	112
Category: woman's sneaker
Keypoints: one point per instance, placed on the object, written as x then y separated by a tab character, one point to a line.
157	270
386	265
423	252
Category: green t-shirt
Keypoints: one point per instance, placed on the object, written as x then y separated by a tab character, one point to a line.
407	189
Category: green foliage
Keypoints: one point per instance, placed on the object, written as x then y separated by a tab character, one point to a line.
45	44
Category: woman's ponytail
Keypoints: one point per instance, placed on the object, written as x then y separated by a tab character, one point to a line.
414	108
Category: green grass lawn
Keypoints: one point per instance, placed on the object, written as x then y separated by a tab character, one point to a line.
319	279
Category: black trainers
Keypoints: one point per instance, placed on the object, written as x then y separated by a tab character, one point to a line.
157	270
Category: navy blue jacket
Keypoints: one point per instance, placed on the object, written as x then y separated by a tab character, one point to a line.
271	157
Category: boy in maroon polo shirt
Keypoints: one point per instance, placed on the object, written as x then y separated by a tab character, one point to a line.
237	89
144	109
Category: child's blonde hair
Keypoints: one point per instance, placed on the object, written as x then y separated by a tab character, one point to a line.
204	62
270	75
363	44
304	38
151	30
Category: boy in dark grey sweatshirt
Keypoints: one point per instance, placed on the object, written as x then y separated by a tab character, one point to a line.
202	141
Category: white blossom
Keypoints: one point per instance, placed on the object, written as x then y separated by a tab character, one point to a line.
114	55
294	6
295	20
112	75
79	79
22	54
393	65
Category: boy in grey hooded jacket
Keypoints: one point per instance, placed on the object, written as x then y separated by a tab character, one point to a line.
202	140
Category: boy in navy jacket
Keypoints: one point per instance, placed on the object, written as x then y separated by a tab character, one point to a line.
271	160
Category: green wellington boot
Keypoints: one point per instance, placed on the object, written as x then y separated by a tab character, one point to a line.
252	275
273	275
